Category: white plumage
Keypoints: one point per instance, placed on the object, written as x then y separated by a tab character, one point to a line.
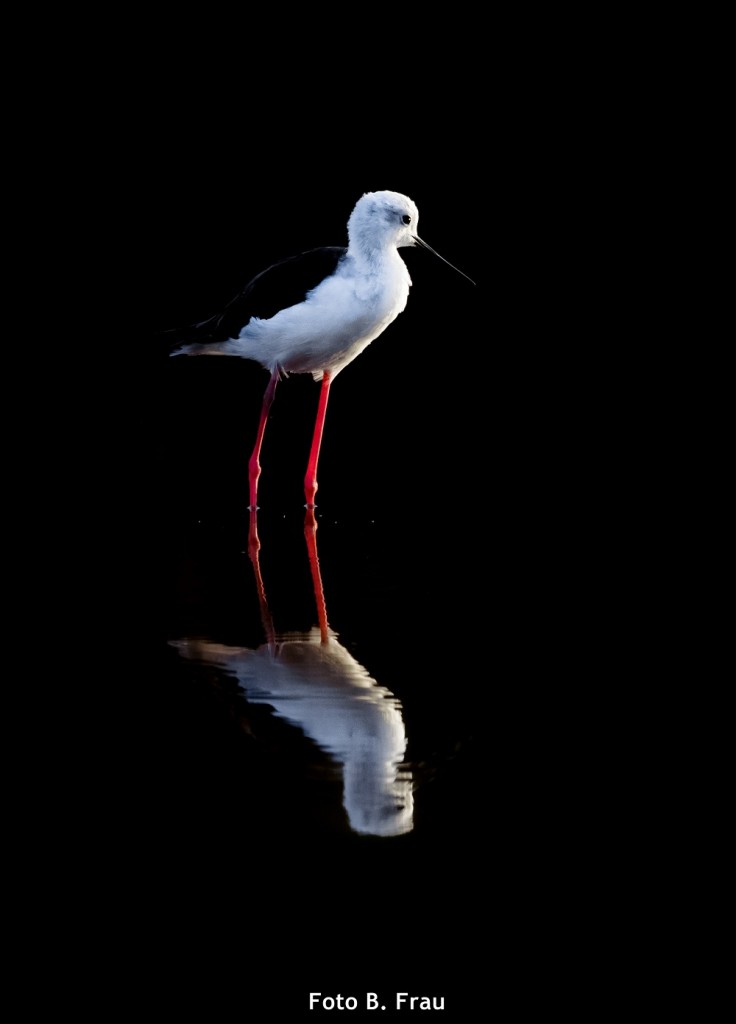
347	310
336	301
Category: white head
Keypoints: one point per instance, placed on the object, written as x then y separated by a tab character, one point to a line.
381	220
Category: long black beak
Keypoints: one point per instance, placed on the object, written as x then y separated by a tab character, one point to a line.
429	248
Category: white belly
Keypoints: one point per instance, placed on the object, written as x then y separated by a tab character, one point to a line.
328	330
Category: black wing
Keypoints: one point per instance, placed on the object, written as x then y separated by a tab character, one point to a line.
281	285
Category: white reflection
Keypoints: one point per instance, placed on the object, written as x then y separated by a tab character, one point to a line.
320	688
314	683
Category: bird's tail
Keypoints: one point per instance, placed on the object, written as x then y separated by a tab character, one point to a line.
198	349
200	339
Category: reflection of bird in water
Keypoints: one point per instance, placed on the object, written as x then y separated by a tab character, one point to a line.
316	312
314	683
322	689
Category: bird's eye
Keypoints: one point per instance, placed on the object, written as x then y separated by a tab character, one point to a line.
406	218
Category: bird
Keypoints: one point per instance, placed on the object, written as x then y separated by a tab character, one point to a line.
317	311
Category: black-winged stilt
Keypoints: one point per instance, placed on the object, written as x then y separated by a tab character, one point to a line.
314	313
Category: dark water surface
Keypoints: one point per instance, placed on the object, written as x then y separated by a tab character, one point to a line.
311	765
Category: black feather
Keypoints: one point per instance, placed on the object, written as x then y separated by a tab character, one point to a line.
281	285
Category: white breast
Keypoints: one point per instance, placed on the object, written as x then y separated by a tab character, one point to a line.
332	326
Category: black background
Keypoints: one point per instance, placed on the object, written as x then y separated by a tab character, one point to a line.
469	433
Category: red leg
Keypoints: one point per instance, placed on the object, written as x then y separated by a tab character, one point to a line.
254	466
310	480
310	533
